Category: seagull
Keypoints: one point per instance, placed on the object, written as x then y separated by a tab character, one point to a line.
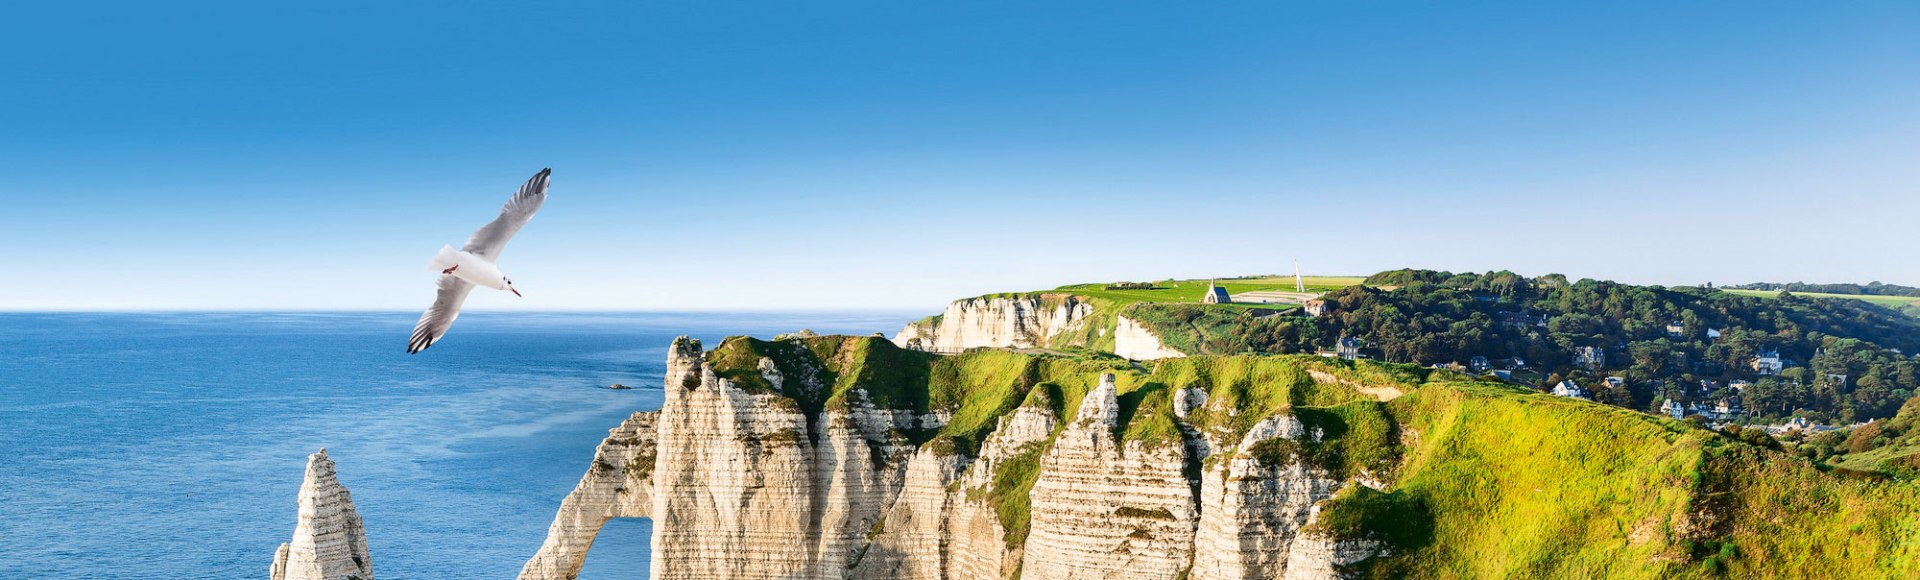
474	263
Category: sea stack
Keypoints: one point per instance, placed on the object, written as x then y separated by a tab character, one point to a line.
329	542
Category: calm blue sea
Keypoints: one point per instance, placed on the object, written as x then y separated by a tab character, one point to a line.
149	445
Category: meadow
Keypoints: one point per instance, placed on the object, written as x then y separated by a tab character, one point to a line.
1904	303
1191	291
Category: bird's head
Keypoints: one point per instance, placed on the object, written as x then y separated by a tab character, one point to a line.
510	287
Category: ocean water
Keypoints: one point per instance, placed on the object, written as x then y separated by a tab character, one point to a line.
171	445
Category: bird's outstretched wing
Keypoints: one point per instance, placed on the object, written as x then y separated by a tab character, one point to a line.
491	238
446	307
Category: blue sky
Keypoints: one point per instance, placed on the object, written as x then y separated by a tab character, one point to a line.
720	155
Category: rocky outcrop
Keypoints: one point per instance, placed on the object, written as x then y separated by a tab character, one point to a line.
1316	557
745	481
977	537
618	485
911	542
1020	321
1107	509
1132	340
329	542
1252	508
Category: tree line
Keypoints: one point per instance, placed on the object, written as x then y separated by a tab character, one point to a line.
1844	365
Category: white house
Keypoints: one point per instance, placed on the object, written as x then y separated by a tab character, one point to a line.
1727	409
1348	348
1571	390
1673	409
1767	362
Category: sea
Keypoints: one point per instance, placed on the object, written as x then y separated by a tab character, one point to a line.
172	445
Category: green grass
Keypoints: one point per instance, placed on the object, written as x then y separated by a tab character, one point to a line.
1503	482
1209	329
1896	302
1192	291
1009	495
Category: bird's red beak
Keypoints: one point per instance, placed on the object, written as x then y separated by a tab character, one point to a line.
515	292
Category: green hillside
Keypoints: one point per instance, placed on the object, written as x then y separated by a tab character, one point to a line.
1191	291
1907	304
1844	357
1479	480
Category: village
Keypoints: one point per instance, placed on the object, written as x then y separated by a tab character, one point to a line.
1714	403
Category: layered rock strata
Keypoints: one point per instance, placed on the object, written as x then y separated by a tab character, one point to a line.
1252	510
618	485
743	481
1107	509
329	541
1022	321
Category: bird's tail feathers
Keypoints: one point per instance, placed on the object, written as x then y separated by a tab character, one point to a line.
443	260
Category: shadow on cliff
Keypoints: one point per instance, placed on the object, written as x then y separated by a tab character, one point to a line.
1149	398
877	561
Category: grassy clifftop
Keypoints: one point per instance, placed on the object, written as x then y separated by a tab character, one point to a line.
1511	482
1480	480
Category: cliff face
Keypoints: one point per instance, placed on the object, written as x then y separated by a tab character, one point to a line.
1106	508
1132	340
1021	321
329	542
843	457
618	485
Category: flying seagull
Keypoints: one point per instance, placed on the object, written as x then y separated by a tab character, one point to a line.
474	263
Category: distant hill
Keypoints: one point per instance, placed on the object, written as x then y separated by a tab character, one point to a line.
1868	289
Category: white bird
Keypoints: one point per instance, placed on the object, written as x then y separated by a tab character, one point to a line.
474	263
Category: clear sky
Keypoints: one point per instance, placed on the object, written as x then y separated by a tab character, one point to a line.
717	155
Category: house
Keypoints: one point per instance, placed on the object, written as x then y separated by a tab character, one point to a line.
1503	374
1571	390
1479	364
1837	380
1349	348
1708	386
1768	363
1727	409
1512	364
1739	385
1713	334
1673	409
1615	382
1216	294
1800	425
1592	357
1315	307
1676	330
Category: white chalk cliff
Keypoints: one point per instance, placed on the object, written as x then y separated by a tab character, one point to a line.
1019	321
741	482
618	485
1134	341
329	542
